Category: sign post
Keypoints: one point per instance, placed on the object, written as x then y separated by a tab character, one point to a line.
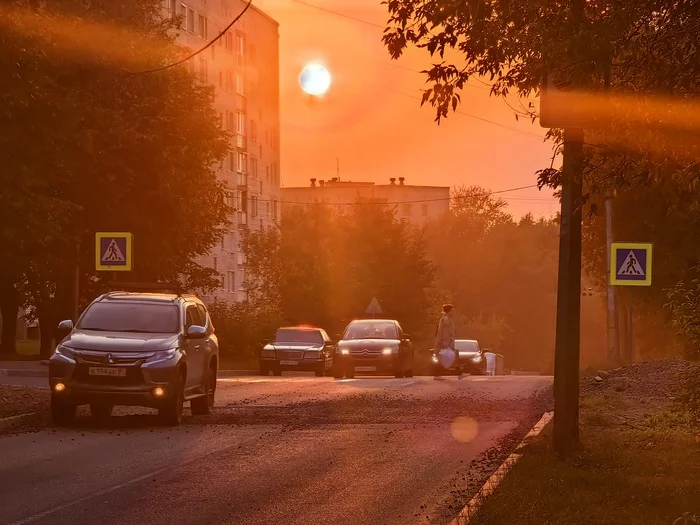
114	251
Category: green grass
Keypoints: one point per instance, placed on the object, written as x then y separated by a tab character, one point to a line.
646	476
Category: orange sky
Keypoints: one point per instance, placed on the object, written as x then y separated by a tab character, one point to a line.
370	122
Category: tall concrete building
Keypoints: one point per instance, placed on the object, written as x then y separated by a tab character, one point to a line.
243	65
418	204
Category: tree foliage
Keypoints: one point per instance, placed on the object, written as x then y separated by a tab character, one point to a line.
89	146
324	267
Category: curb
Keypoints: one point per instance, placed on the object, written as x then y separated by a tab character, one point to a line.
471	508
17	372
8	421
236	373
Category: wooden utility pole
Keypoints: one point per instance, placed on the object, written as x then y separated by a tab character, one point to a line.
568	340
612	333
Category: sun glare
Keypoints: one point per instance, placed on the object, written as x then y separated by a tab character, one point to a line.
315	79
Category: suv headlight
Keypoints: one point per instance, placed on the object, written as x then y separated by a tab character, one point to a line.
477	358
65	352
163	355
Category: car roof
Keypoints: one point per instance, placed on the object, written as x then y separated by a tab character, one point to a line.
148	297
306	328
373	321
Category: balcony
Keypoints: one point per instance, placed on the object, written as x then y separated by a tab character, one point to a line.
241	142
242	180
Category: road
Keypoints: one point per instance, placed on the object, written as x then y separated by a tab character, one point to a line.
289	450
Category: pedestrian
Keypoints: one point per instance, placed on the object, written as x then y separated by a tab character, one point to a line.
445	338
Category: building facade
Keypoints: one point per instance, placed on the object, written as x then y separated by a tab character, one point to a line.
243	65
418	204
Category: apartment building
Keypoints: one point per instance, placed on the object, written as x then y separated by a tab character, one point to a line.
418	204
243	65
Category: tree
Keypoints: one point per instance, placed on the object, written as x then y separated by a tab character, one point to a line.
93	147
327	266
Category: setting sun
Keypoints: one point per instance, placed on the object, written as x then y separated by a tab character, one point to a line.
315	79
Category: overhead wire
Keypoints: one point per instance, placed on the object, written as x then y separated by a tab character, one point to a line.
200	50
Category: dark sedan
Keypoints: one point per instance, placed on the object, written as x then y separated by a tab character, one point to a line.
373	346
298	348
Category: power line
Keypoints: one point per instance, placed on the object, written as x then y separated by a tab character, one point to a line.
416	201
208	45
517	130
338	13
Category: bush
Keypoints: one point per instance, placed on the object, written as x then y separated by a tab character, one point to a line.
241	327
689	389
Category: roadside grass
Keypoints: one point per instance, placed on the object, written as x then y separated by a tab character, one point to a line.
646	473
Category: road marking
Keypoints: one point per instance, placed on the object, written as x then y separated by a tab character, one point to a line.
58	508
471	508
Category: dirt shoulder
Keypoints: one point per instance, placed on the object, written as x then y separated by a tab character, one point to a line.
639	460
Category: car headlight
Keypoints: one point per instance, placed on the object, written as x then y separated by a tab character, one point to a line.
390	350
163	355
477	358
269	354
343	351
64	351
312	354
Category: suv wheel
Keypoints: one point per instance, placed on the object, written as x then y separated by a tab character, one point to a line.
201	406
101	411
171	411
62	413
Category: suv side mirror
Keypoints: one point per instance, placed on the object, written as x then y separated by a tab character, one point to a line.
196	332
66	325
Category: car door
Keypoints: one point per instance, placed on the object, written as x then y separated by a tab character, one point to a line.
193	349
209	345
328	347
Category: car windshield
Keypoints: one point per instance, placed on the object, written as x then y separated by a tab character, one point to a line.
291	335
370	331
467	346
131	317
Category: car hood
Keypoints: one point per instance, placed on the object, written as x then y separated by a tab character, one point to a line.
293	346
119	341
361	344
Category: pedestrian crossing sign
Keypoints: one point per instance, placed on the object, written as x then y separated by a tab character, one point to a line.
114	251
630	264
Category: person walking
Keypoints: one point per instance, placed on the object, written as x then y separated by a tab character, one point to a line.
445	337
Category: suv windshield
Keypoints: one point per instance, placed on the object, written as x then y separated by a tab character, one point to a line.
371	331
290	335
131	317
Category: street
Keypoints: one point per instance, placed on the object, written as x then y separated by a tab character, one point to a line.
292	450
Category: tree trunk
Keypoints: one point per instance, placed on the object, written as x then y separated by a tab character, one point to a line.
9	306
47	322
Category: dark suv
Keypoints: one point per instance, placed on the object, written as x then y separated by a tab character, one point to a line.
156	350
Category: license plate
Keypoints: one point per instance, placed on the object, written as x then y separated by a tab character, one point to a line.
365	369
103	371
289	363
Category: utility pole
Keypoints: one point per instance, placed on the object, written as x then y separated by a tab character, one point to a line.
568	338
337	168
76	284
613	338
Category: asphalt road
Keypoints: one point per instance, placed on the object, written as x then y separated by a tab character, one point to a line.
290	450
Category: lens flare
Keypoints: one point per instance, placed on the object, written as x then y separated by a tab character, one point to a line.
464	429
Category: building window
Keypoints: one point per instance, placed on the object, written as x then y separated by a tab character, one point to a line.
241	46
267	173
229	81
216	264
424	210
231	161
190	20
202	27
240	162
268	207
221	79
213	52
406	210
231	282
275	174
241	258
240	123
253	130
254	206
172	7
229	42
183	15
253	168
229	121
239	84
261	187
231	200
203	70
274	210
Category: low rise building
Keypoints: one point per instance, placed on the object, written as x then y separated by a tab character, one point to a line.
419	204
